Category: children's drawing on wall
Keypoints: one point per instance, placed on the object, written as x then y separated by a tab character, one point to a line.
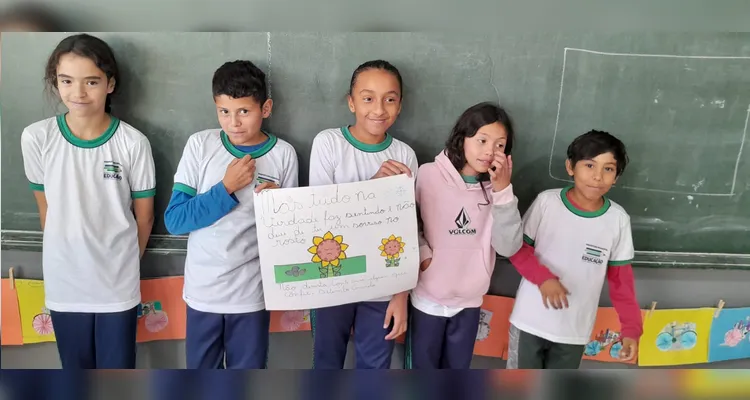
608	341
391	248
10	316
290	321
485	316
606	338
36	323
155	318
42	323
675	337
329	260
162	312
730	335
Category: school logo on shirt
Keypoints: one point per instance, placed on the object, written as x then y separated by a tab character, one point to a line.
593	255
462	223
263	178
112	170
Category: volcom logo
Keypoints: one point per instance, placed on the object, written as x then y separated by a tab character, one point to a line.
462	222
593	255
112	170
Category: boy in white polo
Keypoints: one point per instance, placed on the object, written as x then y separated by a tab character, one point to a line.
574	238
212	200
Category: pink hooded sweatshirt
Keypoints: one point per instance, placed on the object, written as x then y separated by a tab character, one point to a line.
461	234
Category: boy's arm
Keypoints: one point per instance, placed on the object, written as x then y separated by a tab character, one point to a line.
187	210
507	226
622	283
525	261
291	177
321	164
142	178
622	294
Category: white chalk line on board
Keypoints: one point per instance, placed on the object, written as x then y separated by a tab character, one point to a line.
268	60
559	107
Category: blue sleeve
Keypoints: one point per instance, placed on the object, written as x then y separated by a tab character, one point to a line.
186	213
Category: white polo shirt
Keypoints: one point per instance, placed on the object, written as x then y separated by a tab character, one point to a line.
576	246
91	258
337	157
222	267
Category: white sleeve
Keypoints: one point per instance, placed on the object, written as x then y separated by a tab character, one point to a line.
186	177
532	219
291	170
412	163
33	166
142	174
321	162
623	252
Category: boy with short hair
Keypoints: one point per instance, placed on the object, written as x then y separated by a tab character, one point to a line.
574	237
213	201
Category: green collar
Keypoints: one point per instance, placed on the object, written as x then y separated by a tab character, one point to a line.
581	213
87	144
272	139
368	148
469	179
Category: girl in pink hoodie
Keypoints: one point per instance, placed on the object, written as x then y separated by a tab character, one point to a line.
468	213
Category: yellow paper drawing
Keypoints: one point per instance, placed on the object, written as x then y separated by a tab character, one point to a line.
675	337
36	323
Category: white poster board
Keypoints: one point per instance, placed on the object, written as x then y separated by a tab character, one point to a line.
328	245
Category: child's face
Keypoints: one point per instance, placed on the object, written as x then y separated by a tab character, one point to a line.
593	178
241	119
83	87
480	149
375	101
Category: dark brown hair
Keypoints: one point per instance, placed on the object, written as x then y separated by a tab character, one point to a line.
88	46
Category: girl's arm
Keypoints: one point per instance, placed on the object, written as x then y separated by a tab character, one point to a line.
143	209
507	226
41	202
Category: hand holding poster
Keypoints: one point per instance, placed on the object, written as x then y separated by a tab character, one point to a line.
329	245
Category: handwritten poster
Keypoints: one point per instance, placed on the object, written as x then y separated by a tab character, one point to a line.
606	338
10	326
162	312
36	322
675	337
730	335
329	245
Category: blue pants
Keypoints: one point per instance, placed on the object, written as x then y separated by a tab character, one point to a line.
96	340
441	342
44	385
331	327
242	338
198	385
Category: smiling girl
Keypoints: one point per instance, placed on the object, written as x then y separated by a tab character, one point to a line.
93	179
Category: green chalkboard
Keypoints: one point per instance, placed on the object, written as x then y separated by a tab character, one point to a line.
679	101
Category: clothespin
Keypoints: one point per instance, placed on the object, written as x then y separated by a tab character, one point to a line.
12	279
653	307
718	308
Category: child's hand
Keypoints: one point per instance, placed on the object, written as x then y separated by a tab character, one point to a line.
554	293
500	171
397	311
391	168
266	185
240	173
629	349
425	264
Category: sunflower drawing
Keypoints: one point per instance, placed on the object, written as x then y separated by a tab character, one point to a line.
391	248
328	250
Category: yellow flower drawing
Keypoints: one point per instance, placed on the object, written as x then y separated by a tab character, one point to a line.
328	250
392	247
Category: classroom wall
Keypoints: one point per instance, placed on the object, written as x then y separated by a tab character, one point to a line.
671	288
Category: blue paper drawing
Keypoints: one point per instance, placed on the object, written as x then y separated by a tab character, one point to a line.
730	335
